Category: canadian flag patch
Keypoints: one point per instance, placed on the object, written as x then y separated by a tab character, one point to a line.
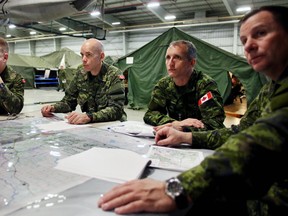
205	98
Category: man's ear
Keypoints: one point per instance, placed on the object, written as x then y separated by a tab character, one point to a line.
5	57
193	62
102	56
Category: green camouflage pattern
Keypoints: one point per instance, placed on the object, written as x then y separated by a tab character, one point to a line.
101	95
169	102
251	166
62	79
258	107
12	93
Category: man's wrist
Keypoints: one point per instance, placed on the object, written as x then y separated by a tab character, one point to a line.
52	109
90	116
187	137
175	190
2	85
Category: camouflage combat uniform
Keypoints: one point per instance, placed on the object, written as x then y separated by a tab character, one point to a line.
170	102
102	96
251	167
61	79
11	92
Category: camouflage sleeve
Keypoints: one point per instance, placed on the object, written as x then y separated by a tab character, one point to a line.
12	94
212	111
214	138
156	113
112	108
240	169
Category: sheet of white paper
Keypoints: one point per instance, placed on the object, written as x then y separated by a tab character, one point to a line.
173	158
60	116
59	125
116	165
133	128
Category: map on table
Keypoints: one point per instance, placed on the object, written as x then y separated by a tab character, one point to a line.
28	157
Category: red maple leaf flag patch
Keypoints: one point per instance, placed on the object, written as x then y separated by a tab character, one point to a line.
205	98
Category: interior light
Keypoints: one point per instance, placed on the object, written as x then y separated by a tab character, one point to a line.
32	33
95	13
115	23
153	4
243	9
62	29
8	35
170	17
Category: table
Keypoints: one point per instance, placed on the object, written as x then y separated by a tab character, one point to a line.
31	186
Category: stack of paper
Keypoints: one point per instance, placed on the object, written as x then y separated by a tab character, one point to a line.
116	165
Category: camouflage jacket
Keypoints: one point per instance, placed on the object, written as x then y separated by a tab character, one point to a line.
12	92
169	102
215	138
252	165
101	95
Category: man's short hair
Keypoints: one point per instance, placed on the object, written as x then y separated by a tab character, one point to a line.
4	47
191	49
280	14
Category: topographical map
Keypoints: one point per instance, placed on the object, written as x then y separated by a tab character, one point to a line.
28	157
173	158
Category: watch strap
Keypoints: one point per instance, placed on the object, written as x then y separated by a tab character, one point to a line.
90	115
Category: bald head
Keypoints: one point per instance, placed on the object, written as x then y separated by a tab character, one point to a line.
94	45
92	52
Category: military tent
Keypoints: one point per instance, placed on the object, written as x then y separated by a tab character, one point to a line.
69	57
146	66
26	66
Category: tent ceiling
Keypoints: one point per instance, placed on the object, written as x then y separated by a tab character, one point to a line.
132	14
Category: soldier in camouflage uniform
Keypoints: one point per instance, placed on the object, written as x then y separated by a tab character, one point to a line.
11	85
96	87
247	174
61	78
185	98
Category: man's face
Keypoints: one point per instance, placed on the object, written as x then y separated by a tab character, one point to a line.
265	44
3	60
177	63
91	58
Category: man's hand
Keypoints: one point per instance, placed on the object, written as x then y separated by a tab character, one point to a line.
144	195
47	111
189	122
159	127
171	136
77	118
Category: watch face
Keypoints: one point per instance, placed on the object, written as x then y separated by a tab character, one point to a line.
174	187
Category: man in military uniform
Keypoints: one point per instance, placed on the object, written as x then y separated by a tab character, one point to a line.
248	171
186	97
61	78
96	87
11	84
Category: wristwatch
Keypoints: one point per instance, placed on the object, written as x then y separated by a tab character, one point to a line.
90	115
2	86
175	190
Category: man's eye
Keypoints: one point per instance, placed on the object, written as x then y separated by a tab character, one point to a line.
243	41
261	33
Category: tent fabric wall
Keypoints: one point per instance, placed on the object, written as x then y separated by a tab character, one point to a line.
72	60
149	66
25	65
